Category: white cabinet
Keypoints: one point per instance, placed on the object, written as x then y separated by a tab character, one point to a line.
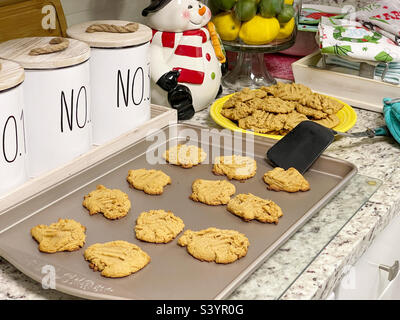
365	280
392	292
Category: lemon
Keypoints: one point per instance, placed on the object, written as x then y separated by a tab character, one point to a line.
286	29
259	30
227	26
289	2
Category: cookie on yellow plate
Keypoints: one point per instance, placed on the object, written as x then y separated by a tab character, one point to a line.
112	203
158	226
64	235
116	259
212	244
330	121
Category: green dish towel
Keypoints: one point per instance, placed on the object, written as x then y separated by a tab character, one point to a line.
392	75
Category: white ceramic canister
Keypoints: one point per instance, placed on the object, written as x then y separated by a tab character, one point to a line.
120	77
56	99
12	131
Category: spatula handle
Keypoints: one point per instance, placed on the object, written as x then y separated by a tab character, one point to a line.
382	131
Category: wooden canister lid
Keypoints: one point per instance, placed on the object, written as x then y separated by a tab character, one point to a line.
18	50
110	39
11	74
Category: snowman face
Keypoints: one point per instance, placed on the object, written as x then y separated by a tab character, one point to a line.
180	15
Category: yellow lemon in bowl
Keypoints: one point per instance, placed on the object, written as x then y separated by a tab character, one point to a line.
286	29
259	30
227	26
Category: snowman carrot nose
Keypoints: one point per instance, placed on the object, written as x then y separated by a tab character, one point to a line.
202	11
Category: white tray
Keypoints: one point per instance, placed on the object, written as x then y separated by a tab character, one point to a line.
357	91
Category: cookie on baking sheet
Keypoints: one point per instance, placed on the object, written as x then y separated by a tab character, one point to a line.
212	192
250	207
185	156
212	244
235	167
112	203
289	180
64	235
116	259
158	226
150	181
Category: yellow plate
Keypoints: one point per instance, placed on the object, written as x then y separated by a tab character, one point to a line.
347	116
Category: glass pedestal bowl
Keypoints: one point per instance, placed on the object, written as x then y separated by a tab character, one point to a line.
250	70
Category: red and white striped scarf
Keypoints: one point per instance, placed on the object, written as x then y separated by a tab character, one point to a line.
189	47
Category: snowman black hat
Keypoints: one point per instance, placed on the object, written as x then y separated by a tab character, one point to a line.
155	6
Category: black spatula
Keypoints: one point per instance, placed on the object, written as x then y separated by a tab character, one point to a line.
301	147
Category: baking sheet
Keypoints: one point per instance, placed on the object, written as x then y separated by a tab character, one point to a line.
172	272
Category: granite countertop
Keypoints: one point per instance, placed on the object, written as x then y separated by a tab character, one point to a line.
376	158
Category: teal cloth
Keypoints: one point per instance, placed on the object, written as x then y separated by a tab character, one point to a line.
392	75
391	112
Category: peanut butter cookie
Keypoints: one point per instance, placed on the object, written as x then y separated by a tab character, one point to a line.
293	119
235	167
64	235
212	192
150	181
158	226
289	180
116	259
321	102
250	207
212	244
316	114
263	122
277	105
330	121
288	91
185	156
241	110
112	203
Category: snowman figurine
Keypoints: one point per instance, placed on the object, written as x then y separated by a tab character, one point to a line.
186	55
